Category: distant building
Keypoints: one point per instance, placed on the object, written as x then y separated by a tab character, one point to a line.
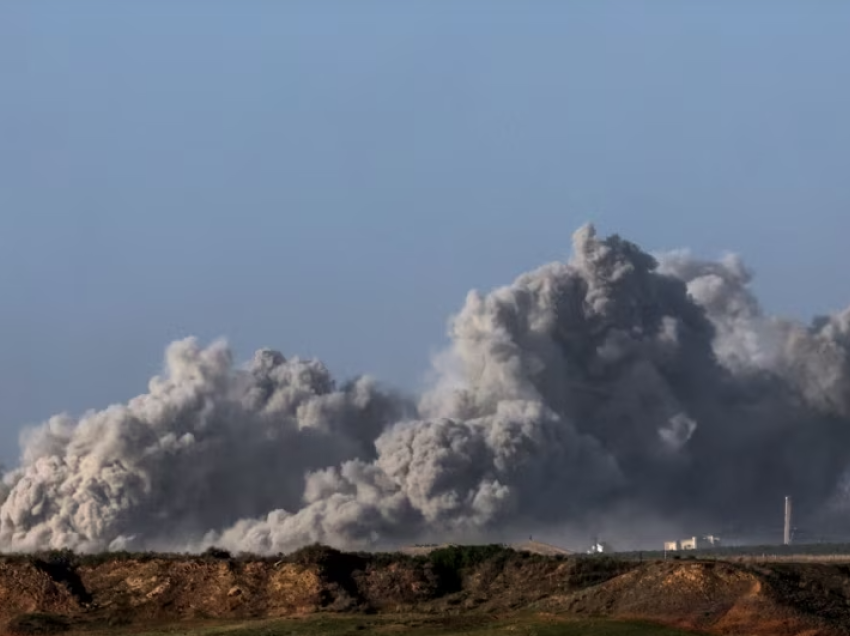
693	543
599	547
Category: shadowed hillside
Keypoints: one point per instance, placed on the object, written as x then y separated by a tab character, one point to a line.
58	591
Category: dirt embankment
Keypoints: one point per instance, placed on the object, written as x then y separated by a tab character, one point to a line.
726	598
722	598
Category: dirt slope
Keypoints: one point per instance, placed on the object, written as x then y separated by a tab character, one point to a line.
722	598
725	598
27	588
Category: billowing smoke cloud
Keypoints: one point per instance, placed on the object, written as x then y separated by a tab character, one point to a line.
207	446
615	382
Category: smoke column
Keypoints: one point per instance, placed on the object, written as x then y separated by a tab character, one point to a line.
617	381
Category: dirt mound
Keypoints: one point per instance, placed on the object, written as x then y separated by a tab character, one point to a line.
117	589
538	547
32	586
161	589
723	598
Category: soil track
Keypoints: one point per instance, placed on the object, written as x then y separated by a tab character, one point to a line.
716	597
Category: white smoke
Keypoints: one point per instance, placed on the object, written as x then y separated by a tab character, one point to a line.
615	381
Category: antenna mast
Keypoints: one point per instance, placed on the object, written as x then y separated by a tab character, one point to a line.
787	534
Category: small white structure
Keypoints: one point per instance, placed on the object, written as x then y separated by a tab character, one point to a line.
599	547
693	543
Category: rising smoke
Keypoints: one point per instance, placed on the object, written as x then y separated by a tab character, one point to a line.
614	383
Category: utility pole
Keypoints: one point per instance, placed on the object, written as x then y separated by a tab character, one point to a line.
787	534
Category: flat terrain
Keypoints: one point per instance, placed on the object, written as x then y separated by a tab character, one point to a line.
529	625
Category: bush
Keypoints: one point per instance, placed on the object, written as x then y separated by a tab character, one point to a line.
37	623
384	559
56	558
216	553
450	562
459	557
592	570
315	554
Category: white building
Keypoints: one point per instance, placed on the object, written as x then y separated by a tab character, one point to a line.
599	547
693	543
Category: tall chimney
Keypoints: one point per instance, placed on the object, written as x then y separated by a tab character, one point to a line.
787	534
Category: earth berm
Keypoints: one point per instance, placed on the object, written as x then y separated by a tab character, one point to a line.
61	591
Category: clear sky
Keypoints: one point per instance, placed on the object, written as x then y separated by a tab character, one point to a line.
331	178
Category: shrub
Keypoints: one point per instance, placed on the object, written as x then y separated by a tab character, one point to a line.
450	562
37	623
218	554
59	558
459	557
592	570
383	559
315	554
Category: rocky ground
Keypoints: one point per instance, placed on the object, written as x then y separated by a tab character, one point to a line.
60	591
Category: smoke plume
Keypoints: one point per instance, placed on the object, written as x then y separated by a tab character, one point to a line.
617	381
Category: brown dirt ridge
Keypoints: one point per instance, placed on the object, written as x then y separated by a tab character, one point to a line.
60	591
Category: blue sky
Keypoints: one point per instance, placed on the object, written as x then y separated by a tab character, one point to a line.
331	178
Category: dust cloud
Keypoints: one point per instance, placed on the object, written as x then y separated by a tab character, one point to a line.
616	385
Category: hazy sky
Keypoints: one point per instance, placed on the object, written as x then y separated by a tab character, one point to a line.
331	178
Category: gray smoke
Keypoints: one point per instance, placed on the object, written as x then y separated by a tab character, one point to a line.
206	446
615	382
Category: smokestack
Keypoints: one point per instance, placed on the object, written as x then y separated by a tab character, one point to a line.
787	535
